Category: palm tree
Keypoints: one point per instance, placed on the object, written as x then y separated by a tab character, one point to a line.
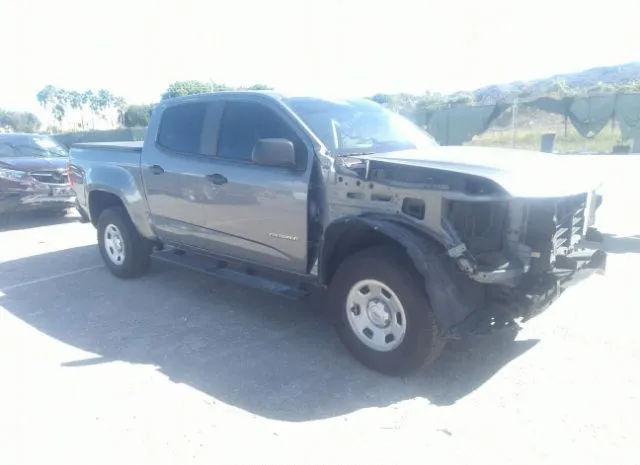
121	106
104	101
61	102
46	97
76	103
92	101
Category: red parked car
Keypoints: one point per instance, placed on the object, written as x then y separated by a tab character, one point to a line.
33	174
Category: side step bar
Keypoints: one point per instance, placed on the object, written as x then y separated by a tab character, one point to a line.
220	270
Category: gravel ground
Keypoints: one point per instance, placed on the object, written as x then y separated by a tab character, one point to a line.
179	368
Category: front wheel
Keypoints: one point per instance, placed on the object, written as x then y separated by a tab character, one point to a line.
124	251
382	312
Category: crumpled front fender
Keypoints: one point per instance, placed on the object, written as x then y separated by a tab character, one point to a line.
452	295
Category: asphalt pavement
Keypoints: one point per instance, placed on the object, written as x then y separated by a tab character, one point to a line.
178	367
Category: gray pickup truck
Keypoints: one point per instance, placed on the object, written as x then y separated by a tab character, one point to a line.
415	243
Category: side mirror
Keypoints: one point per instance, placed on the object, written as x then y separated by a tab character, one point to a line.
274	152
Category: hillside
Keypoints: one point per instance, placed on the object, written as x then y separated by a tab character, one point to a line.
615	75
531	123
464	117
482	116
603	78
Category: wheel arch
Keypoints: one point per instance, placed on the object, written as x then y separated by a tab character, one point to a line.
451	294
115	181
349	235
100	200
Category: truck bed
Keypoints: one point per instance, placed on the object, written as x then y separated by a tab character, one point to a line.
124	146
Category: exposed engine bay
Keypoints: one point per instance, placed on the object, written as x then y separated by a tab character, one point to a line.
512	250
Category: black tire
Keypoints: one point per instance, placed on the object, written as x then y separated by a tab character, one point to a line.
137	250
422	342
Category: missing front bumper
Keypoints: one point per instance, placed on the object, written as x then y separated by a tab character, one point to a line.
507	307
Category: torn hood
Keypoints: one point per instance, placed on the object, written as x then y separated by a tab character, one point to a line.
521	173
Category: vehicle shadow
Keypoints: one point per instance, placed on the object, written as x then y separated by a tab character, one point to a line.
259	352
11	221
621	244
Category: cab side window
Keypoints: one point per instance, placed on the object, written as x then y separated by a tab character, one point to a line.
190	128
244	123
181	128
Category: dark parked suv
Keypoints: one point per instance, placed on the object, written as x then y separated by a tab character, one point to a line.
33	174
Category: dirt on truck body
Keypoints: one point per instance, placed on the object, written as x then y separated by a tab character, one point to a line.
416	243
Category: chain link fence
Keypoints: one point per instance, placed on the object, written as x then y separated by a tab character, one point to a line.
608	123
535	129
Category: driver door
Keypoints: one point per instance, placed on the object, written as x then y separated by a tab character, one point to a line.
254	212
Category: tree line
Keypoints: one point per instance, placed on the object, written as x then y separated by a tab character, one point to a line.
62	103
18	121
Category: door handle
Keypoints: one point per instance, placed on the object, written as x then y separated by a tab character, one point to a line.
157	169
217	179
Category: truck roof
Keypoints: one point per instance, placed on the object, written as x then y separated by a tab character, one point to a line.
269	93
186	98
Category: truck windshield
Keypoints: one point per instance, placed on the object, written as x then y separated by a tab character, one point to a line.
358	126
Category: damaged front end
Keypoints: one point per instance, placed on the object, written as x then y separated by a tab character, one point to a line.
507	256
546	245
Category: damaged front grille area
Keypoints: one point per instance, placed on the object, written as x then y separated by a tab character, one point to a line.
50	177
554	228
551	233
481	227
507	239
570	218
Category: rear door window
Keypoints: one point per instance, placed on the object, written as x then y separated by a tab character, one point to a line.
190	128
181	127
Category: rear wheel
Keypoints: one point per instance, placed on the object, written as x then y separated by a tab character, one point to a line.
382	312
124	251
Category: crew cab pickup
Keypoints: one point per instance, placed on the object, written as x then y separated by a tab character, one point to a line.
414	242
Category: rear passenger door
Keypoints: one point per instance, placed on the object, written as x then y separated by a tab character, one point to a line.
175	163
258	213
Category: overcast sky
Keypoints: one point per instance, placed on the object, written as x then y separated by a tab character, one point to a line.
135	48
